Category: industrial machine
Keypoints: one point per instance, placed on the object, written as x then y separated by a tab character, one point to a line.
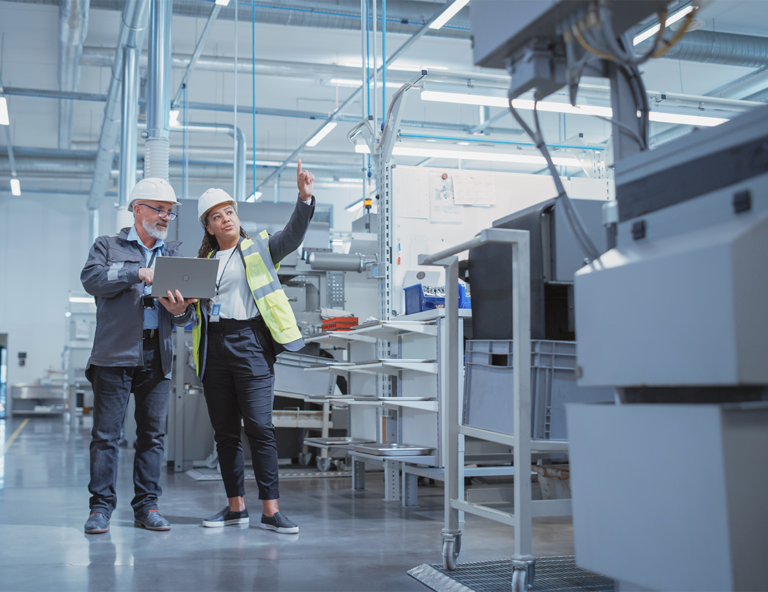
672	316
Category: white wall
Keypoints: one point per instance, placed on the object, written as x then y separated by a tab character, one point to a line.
44	241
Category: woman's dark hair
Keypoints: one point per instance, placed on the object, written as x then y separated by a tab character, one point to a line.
210	243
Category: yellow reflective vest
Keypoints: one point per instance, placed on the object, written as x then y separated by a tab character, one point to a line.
268	295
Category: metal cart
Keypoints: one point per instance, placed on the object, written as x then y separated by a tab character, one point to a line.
525	509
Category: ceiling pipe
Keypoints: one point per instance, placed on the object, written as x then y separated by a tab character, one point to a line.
128	135
132	29
158	140
73	28
710	47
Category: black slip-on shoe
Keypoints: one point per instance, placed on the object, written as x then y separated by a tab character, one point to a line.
97	523
226	518
151	520
278	523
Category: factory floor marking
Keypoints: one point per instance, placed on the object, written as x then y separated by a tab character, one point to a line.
13	436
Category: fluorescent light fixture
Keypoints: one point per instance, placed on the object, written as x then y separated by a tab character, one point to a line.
67	314
474	155
322	133
222	2
352	83
337	241
254	196
549	106
685	119
4	112
82	299
448	13
353	206
655	28
173	118
15	187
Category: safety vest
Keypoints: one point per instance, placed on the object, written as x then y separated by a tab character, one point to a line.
268	295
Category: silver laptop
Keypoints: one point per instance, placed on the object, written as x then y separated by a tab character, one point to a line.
194	278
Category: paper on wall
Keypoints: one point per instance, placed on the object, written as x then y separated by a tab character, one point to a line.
474	189
442	206
411	192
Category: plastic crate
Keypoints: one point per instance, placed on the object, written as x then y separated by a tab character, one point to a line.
340	323
488	387
419	298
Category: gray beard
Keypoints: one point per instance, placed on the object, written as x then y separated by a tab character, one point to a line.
154	231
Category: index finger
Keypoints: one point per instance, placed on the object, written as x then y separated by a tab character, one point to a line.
298	170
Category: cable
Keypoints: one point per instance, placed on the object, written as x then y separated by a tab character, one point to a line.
253	79
588	47
574	219
679	35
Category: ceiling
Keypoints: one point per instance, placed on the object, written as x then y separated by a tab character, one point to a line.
293	93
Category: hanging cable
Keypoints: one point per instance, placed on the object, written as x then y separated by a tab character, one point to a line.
184	146
573	217
234	110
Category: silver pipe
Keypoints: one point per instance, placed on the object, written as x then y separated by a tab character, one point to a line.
8	139
158	142
129	125
73	28
93	225
717	48
196	54
132	29
322	261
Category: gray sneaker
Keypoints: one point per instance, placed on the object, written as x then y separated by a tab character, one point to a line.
226	518
97	523
278	523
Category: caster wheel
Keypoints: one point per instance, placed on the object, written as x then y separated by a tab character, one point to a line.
519	581
451	549
324	464
340	465
305	459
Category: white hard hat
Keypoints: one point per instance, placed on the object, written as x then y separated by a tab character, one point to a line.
212	197
154	189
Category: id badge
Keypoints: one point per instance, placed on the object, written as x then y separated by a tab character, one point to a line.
215	313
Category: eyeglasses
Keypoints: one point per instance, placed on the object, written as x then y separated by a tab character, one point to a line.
162	213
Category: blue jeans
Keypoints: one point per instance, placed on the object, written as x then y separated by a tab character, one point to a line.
111	389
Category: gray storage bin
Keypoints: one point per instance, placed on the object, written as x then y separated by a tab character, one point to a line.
488	387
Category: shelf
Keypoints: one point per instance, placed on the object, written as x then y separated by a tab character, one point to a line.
431	315
392	367
339	338
390	330
430	405
425	460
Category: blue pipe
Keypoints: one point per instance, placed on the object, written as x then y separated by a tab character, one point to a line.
510	142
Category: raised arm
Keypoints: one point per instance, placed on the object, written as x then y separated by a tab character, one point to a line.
288	240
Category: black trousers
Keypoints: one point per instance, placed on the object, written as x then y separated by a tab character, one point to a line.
111	388
239	384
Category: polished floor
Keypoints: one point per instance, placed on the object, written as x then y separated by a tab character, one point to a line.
349	540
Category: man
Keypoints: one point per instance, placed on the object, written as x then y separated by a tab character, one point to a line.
132	353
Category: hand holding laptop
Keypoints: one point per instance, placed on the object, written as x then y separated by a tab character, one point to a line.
176	304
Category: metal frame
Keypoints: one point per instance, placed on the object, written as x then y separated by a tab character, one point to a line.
524	509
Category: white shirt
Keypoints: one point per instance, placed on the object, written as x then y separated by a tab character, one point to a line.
234	294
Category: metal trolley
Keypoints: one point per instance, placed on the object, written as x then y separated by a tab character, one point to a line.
525	509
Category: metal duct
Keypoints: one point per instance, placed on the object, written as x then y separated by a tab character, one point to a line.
128	133
73	28
717	48
321	261
158	91
132	28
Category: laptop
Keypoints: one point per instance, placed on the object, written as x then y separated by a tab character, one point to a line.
193	277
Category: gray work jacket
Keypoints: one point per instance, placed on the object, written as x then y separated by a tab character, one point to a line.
111	274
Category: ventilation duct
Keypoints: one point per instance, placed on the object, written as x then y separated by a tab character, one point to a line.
717	48
73	28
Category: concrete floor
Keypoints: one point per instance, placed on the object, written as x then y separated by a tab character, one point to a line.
349	540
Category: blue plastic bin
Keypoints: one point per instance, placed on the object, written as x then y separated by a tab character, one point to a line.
419	298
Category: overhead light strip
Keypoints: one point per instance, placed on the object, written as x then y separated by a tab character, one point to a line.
15	187
4	119
655	28
322	133
448	14
549	106
473	155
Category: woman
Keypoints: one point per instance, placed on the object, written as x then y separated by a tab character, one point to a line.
236	337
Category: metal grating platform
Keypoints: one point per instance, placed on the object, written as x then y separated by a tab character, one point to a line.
553	574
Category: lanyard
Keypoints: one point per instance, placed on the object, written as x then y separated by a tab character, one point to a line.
223	271
152	259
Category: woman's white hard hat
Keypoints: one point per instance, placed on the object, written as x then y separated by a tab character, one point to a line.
212	197
152	189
